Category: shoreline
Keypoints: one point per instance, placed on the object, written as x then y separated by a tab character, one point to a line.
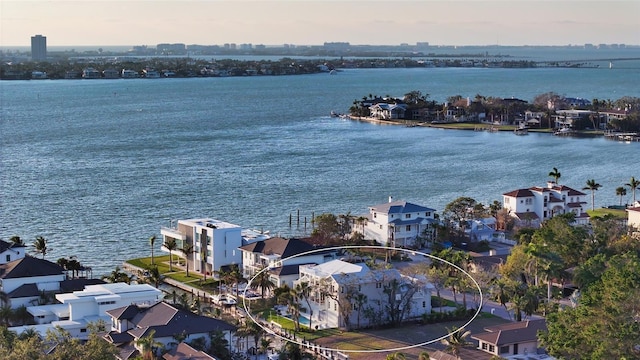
467	126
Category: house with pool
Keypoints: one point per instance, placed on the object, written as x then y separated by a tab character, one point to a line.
351	295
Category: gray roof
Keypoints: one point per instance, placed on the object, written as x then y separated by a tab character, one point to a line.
510	333
29	266
400	207
24	290
4	245
279	246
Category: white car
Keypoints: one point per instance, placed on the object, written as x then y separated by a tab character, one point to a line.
223	299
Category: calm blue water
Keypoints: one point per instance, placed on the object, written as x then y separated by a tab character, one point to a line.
96	167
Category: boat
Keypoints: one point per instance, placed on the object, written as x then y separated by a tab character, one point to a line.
521	131
564	131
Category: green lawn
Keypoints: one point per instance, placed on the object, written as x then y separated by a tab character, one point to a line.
616	213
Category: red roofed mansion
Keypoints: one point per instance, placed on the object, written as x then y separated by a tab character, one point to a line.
536	204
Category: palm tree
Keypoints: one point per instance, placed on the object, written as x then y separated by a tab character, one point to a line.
424	356
147	345
593	186
303	291
634	185
555	174
153	275
621	191
40	246
171	245
456	340
187	249
117	276
152	242
16	241
263	282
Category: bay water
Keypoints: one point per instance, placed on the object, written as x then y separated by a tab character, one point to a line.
98	166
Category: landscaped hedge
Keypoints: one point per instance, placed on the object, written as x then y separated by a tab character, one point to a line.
459	313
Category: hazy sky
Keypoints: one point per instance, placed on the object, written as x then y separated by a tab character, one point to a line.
308	22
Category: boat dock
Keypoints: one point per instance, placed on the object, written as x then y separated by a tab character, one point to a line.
627	137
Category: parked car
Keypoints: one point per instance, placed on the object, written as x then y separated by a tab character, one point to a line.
223	299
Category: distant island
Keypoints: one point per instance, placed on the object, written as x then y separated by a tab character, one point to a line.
549	112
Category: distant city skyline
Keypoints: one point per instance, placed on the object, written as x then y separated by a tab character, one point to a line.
308	22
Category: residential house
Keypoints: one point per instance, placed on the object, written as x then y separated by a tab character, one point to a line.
569	118
91	73
10	251
77	309
336	297
532	206
633	219
111	73
271	253
384	111
132	322
481	229
215	243
516	338
401	224
25	278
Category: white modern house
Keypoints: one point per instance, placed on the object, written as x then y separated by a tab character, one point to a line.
215	243
351	295
534	205
270	253
132	322
77	309
399	223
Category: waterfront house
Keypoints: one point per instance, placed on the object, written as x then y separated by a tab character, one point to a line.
77	309
351	295
384	111
91	73
111	73
633	219
516	338
530	207
10	251
271	253
215	243
132	322
400	223
25	278
129	74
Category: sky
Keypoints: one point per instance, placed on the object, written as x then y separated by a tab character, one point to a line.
309	22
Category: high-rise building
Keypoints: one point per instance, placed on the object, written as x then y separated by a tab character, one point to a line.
38	48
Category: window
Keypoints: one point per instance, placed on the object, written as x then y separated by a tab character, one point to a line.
504	349
408	216
83	330
378	285
8	258
408	228
375	215
424	304
380	227
492	348
484	346
428	213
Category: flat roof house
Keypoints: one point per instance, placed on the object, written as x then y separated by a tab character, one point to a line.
215	243
79	308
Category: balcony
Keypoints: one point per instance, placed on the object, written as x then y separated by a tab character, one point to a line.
173	233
